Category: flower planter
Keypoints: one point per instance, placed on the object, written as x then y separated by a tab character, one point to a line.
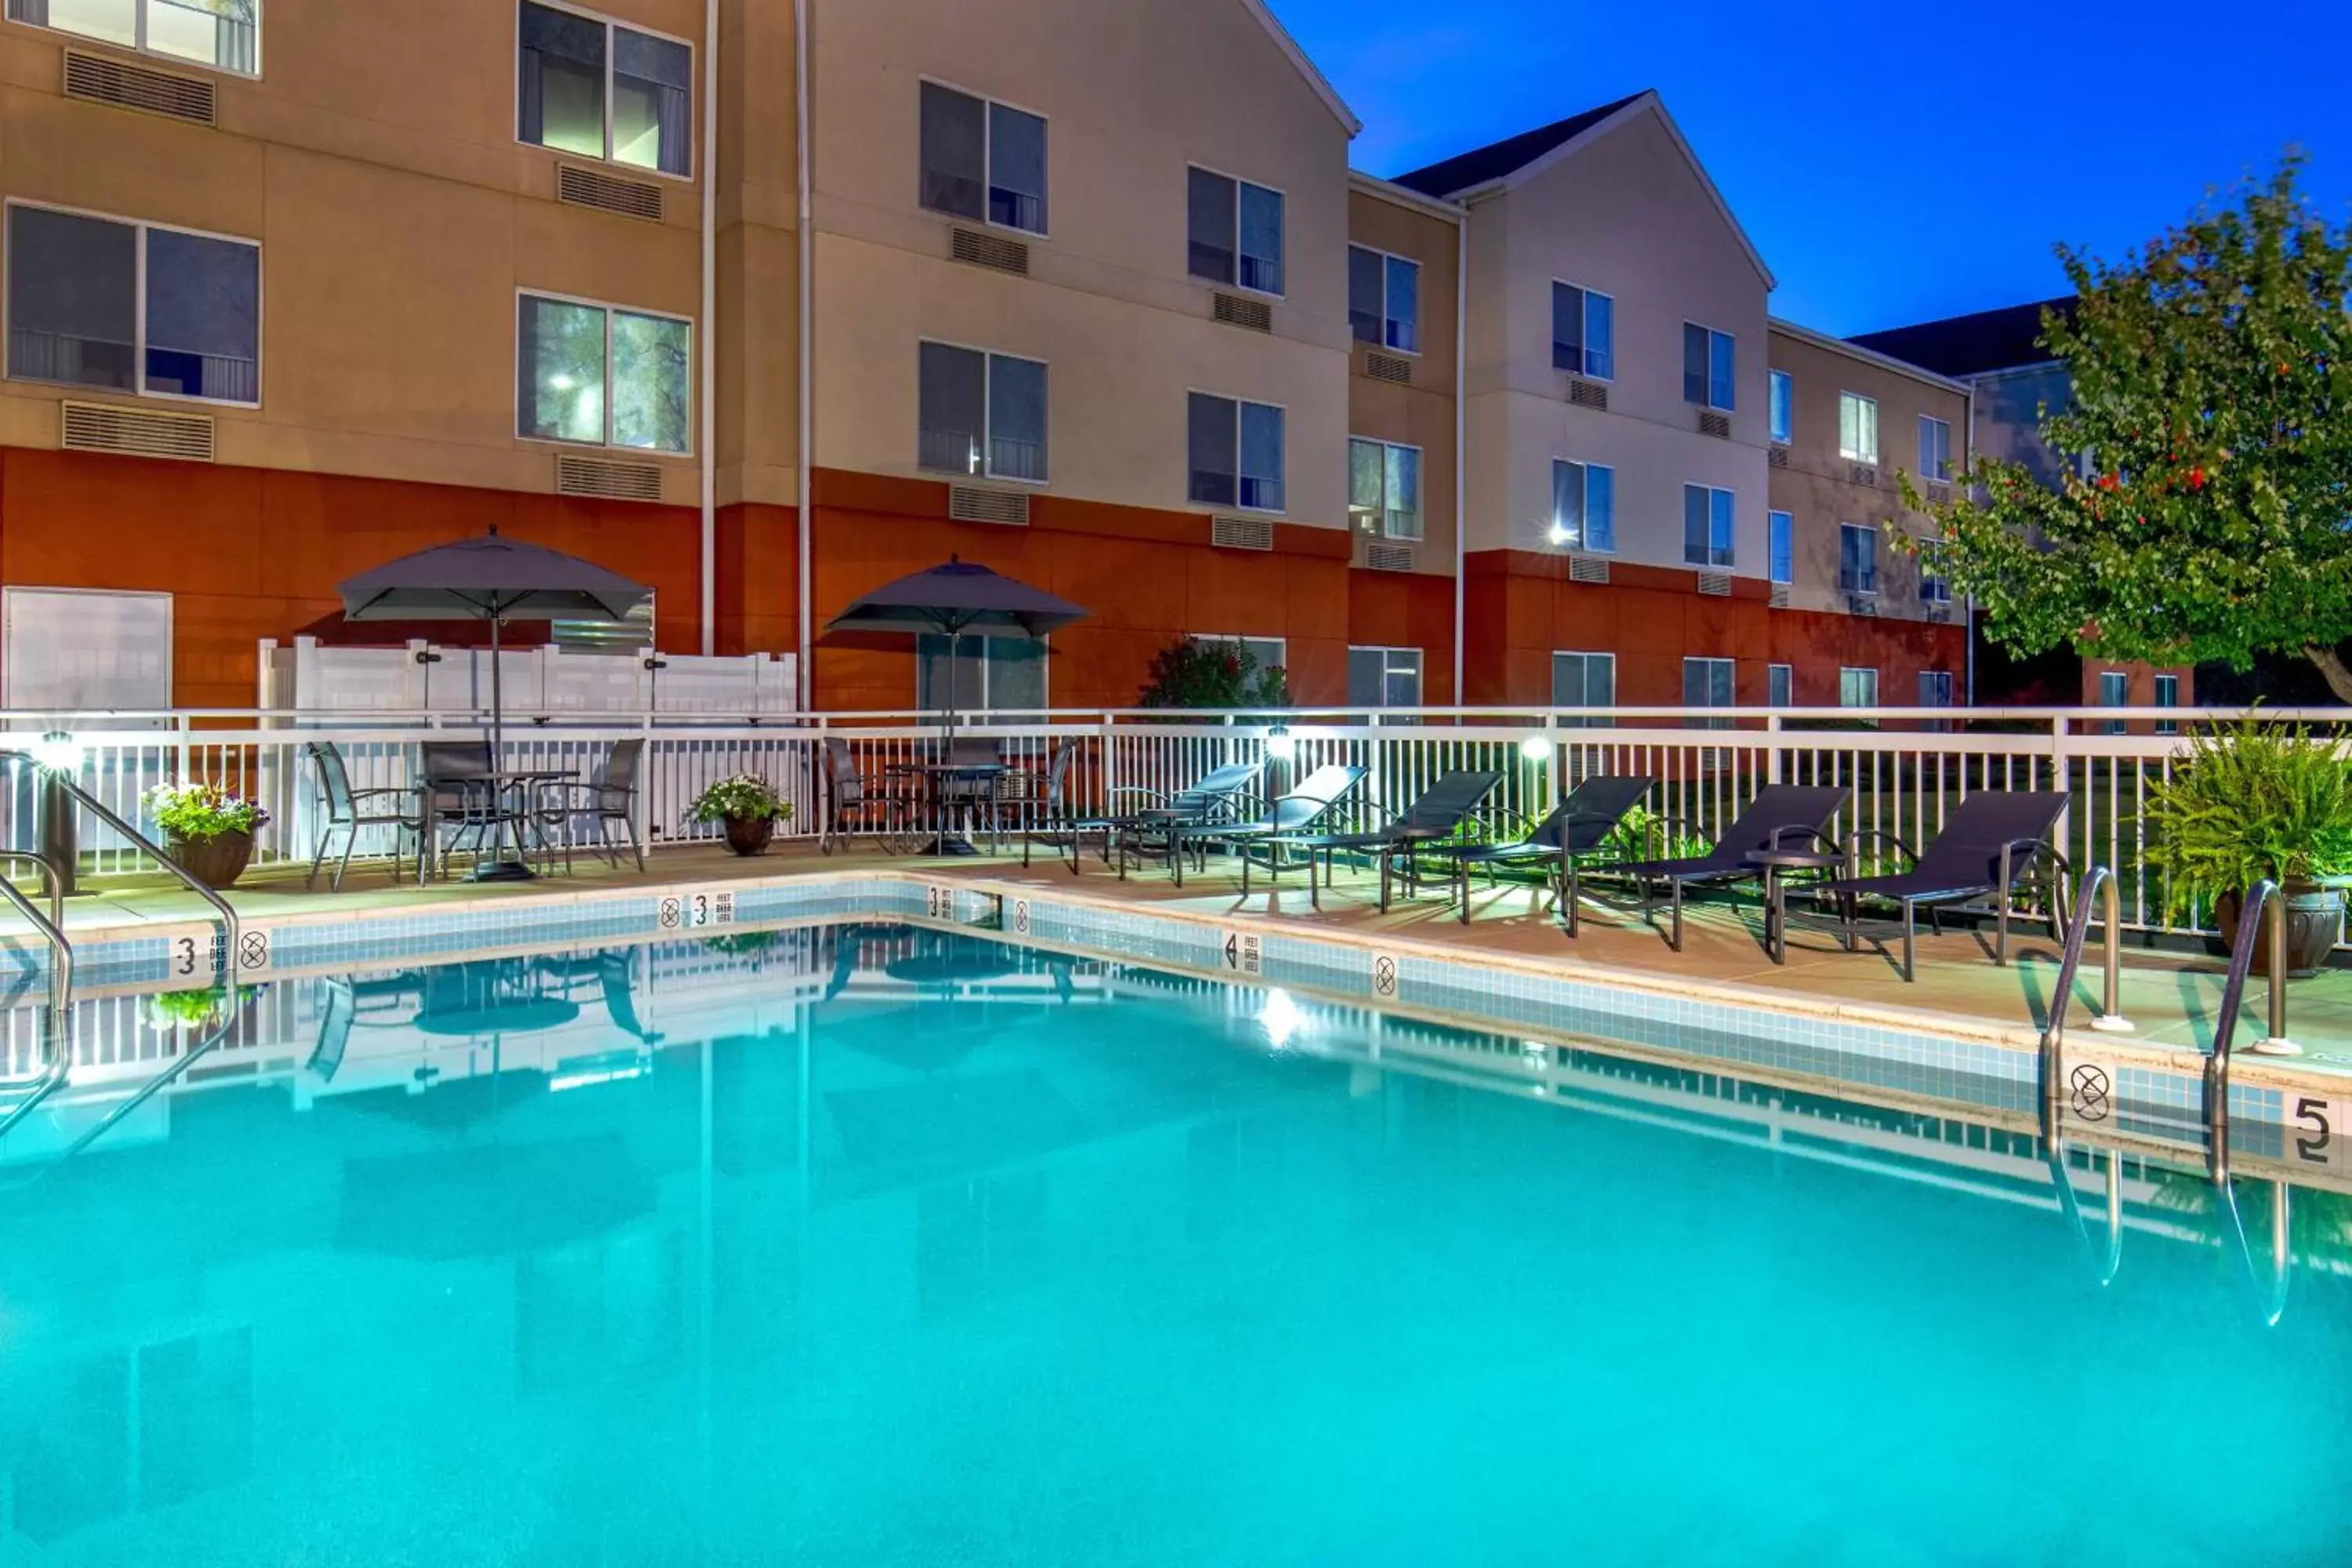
2315	922
750	834
217	862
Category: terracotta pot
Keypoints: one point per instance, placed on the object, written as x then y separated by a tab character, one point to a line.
216	862
750	834
2315	922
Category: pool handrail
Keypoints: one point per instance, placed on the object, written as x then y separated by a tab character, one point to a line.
2098	880
2112	1261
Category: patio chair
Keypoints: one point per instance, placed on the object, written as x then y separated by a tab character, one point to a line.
1783	817
574	810
851	803
1042	808
977	798
461	796
1305	806
350	811
1163	827
1575	829
1437	816
1990	842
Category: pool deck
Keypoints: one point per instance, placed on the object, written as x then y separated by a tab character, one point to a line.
2172	998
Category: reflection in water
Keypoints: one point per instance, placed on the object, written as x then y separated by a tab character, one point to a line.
822	1247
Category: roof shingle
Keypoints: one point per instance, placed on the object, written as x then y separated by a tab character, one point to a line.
1972	344
1482	165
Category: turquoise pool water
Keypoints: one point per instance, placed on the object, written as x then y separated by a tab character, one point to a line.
885	1248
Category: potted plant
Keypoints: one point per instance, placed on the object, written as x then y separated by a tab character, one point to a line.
750	808
207	831
2253	801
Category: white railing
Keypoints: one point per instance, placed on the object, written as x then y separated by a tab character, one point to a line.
1906	767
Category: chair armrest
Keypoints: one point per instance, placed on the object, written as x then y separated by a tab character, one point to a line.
2034	849
411	790
1819	835
1862	834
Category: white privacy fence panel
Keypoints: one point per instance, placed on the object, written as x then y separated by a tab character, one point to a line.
1905	769
538	682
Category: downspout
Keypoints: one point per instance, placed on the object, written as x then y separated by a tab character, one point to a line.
1461	429
707	437
803	522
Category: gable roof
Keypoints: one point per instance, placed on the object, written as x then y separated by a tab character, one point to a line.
1306	68
1515	160
1973	345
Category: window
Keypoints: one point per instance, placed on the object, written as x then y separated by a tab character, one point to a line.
2168	695
1707	526
1933	588
1236	232
1858	688
1583	332
1857	427
1384	677
1237	450
1784	547
1271	653
2114	691
1000	675
980	414
1583	680
1935	689
1384	300
1709	363
132	307
1584	507
223	34
1784	405
1708	683
982	160
599	89
1935	447
1385	489
1780	684
1857	558
601	376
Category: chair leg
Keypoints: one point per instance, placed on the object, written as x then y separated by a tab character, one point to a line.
1570	893
1675	941
325	838
1910	940
351	842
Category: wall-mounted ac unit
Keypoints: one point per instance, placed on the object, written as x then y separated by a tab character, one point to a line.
1235	311
993	251
971	503
1241	532
99	78
137	432
579	187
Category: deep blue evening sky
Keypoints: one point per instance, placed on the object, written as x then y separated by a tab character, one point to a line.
1894	162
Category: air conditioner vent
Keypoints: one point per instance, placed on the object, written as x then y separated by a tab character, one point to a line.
993	251
1588	394
98	80
1779	455
1588	569
1866	475
1389	557
612	481
1718	425
581	187
1939	491
1861	603
970	503
1779	600
1717	584
1389	367
1241	532
1940	611
1237	311
137	432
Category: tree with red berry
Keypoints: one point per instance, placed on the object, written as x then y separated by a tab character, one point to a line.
2208	512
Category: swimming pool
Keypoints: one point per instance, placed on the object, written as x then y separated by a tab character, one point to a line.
865	1244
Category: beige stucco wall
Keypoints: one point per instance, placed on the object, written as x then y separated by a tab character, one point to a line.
375	161
1133	93
1628	216
1420	414
1816	488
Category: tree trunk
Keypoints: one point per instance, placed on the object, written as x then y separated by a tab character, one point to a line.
2331	664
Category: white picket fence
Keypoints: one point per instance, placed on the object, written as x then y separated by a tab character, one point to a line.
1906	767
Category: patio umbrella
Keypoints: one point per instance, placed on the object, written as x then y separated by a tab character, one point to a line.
495	579
959	598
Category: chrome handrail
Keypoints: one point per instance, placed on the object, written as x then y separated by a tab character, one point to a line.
51	926
2098	879
145	1092
59	1065
2072	1205
2263	898
2270	1300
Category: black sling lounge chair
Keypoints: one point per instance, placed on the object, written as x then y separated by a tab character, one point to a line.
1297	810
1436	815
1166	827
1576	827
1784	818
1992	842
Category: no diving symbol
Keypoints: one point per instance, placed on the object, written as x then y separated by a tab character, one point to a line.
2092	1092
1384	976
253	950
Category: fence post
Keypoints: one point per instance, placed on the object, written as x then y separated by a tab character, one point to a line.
1108	772
1772	747
2062	771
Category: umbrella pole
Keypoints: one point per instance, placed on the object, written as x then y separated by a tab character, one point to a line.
497	699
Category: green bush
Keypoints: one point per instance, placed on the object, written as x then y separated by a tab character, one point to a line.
200	813
1643	835
2253	800
1194	673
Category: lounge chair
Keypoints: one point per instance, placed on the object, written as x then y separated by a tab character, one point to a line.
1437	816
1990	842
1782	818
1164	827
1297	810
1576	827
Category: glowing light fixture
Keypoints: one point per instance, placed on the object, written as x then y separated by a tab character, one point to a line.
1558	535
1536	749
1280	745
58	751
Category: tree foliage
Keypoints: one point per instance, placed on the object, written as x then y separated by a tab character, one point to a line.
2207	514
1192	672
